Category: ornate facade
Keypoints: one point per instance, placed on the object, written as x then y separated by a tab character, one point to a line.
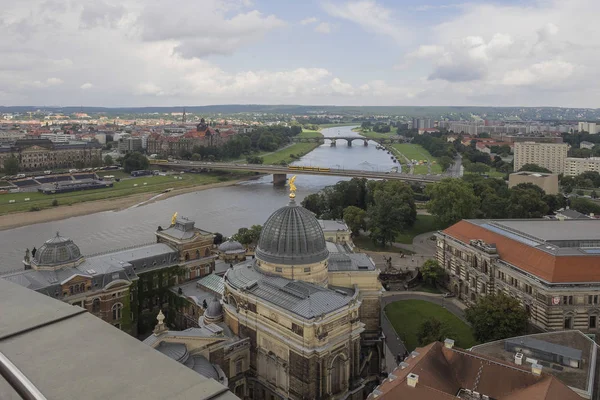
550	266
39	154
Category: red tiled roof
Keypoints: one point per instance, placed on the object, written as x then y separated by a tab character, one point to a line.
544	265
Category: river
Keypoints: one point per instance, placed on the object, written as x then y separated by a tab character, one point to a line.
217	210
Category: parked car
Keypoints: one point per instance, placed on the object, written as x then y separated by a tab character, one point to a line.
449	294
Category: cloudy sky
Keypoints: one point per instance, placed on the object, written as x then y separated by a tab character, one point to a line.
338	52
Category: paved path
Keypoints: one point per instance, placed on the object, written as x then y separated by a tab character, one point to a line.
392	341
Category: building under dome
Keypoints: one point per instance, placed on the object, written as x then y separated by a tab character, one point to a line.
309	339
292	245
231	251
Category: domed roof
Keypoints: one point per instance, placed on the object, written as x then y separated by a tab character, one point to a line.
214	309
57	251
231	245
292	236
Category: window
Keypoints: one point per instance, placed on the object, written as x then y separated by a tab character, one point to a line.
307	269
593	299
117	310
337	375
239	366
568	322
278	269
197	253
528	289
96	305
592	323
567	300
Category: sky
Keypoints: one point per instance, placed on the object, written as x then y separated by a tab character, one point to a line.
118	53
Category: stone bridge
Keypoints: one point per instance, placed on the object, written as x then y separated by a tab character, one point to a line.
348	139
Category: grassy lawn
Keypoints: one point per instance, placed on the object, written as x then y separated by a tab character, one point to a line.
416	152
365	243
298	149
424	223
374	135
307	133
334	125
407	315
154	184
122	174
492	173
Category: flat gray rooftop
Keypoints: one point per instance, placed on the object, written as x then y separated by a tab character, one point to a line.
552	230
69	354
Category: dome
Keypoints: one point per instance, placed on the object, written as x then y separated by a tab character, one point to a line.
214	311
292	236
231	246
57	251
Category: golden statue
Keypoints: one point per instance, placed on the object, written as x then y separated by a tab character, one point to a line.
174	219
292	187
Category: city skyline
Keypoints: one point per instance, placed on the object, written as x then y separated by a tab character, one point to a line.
372	53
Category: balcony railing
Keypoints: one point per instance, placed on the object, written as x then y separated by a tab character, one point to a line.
19	382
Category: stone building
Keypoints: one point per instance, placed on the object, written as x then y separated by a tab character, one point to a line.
39	154
231	251
550	266
125	287
547	182
336	231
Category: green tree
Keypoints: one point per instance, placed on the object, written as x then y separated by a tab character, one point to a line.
585	206
254	160
108	160
445	162
496	317
96	162
393	210
527	201
217	238
315	203
355	217
135	161
534	168
594	194
478	168
433	330
432	272
248	236
196	157
11	165
451	200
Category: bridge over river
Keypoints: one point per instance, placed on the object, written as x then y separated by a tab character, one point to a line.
349	139
280	172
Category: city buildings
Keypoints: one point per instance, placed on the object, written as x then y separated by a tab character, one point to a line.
547	155
550	266
127	287
575	166
39	154
586	145
440	371
547	182
67	353
589	127
130	144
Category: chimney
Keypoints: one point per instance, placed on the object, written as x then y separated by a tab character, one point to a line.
519	358
412	379
448	343
536	369
404	365
413	354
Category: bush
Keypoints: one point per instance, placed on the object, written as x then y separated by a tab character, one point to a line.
54	203
223	179
35	208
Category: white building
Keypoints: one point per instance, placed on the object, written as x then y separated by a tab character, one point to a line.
548	155
590	127
575	166
57	137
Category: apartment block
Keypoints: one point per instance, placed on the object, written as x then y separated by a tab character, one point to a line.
548	155
575	166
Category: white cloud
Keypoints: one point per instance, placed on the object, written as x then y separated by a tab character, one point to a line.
371	16
308	21
323	27
86	86
547	72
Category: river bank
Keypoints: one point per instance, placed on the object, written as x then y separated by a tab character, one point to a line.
15	220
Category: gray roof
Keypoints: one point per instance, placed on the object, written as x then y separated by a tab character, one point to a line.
182	229
232	247
214	309
56	251
175	351
202	366
36	331
292	236
572	214
332	226
547	347
301	298
350	262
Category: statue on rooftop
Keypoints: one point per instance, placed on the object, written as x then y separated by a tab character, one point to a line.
292	187
174	219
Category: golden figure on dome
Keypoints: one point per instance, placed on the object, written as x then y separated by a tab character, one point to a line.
292	187
174	219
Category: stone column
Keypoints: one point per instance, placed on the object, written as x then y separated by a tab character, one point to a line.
279	179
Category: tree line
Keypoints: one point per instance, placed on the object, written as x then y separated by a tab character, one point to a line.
384	208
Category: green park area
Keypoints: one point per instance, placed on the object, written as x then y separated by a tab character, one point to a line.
374	135
289	154
146	184
307	133
417	152
423	224
407	316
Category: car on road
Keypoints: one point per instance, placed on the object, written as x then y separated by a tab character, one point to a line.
448	295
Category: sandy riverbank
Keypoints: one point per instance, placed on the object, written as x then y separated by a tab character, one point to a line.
15	220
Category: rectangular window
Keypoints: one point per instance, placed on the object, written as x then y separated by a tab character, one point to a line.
592	322
528	289
278	269
307	269
567	300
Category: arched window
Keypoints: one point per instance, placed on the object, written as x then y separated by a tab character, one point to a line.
197	253
82	287
187	256
206	252
117	310
96	305
338	375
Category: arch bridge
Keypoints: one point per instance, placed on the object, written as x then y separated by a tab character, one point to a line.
348	139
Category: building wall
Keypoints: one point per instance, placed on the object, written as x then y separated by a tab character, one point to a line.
474	273
549	183
548	155
575	166
38	158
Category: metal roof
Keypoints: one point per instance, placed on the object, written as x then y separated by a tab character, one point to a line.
547	347
301	298
333	226
350	262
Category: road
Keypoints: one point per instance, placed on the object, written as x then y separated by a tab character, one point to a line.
455	169
278	169
392	341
